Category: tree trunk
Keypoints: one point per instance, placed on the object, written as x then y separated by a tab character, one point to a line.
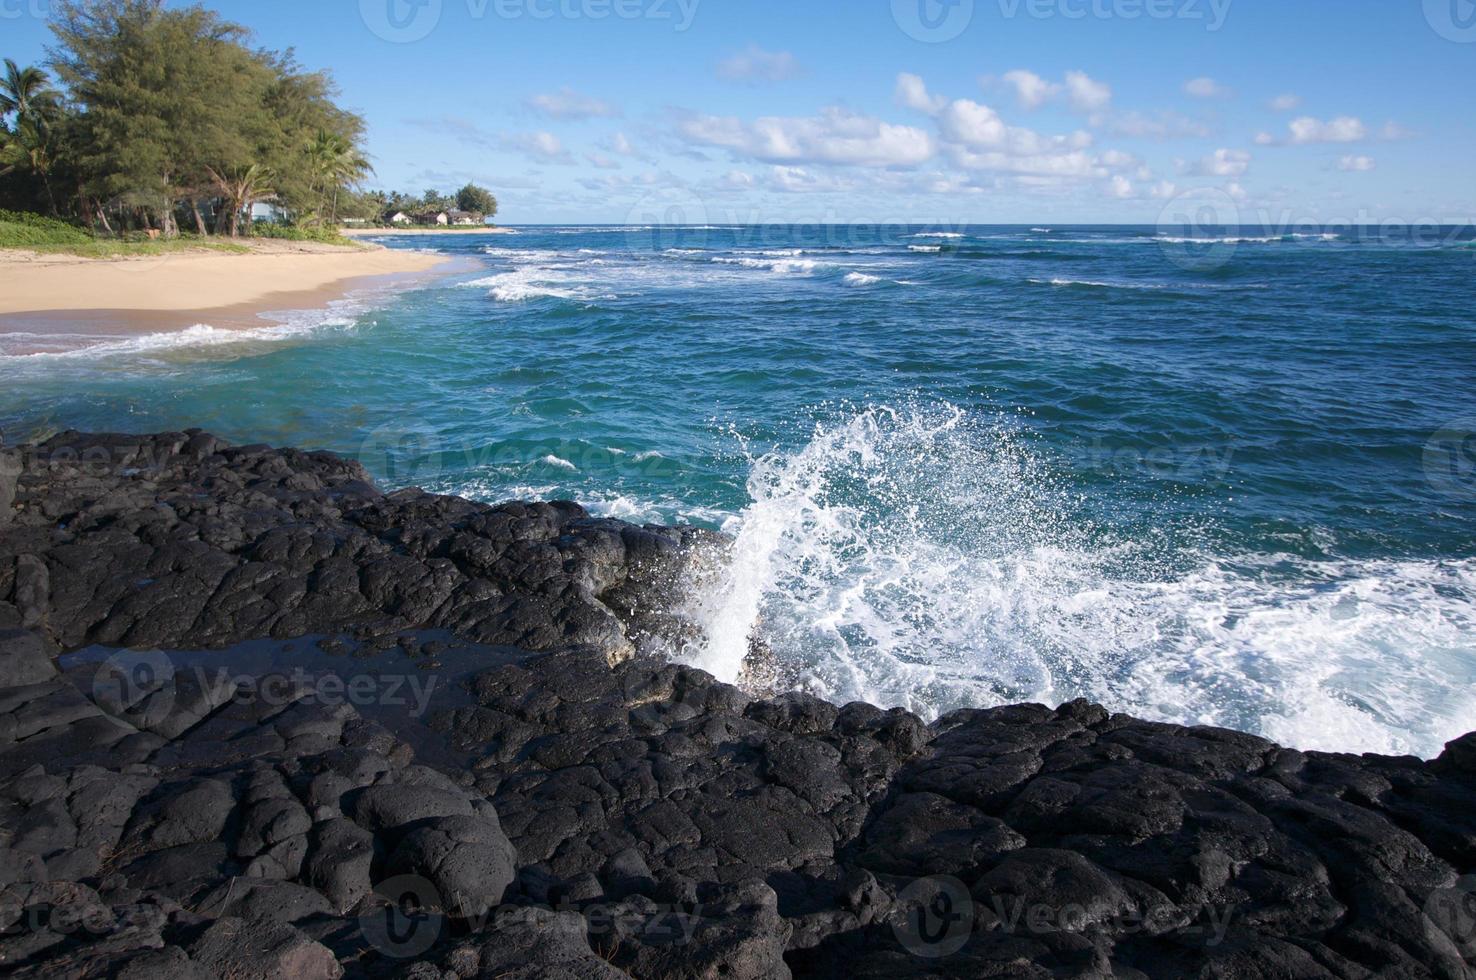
199	218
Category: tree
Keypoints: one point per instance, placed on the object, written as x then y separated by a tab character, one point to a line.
26	93
336	164
177	113
477	199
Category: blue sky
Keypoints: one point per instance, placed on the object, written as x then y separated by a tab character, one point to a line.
867	110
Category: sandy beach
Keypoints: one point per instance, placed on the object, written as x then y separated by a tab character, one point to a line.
273	275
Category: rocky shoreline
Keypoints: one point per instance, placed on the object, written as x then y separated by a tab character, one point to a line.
259	719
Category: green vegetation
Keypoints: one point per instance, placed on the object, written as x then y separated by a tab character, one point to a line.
163	119
381	208
38	234
297	233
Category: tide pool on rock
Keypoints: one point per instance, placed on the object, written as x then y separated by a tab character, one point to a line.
1216	482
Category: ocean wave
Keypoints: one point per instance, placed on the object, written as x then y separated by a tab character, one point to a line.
924	557
861	279
783	267
925	248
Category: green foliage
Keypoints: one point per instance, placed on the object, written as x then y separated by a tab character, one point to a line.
170	117
299	233
478	199
41	234
23	230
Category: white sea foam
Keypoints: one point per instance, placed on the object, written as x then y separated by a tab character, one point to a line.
559	462
939	234
861	279
925	558
782	267
925	248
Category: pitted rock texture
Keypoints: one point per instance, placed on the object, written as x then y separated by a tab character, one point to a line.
620	816
179	538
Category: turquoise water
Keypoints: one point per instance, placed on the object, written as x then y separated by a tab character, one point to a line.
1226	481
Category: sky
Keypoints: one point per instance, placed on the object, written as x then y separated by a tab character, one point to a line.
936	112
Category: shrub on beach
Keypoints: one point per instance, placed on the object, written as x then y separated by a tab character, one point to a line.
19	229
297	233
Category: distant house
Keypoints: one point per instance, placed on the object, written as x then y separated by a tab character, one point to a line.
265	211
464	217
433	218
399	218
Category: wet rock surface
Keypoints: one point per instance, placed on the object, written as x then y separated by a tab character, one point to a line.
607	813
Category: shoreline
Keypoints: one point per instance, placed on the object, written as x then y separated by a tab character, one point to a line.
34	283
417	232
58	303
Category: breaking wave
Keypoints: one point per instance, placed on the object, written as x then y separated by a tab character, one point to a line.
925	557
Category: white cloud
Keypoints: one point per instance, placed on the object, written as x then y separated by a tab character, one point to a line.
835	136
1085	94
1356	164
798	180
620	143
1160	126
979	127
1265	139
601	161
1163	190
542	146
1222	163
736	180
1205	87
754	64
1344	129
569	104
1121	187
912	92
1286	102
1030	89
1393	131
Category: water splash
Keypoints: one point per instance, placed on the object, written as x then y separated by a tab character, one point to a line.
928	557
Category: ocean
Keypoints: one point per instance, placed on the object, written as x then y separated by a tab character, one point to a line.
1223	478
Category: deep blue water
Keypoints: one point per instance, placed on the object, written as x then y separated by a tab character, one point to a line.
1230	482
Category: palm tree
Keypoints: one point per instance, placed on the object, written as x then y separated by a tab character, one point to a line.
28	149
335	163
240	189
27	92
